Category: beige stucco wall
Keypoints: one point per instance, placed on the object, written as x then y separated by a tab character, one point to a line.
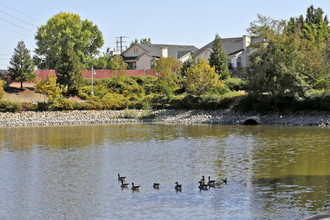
134	51
205	54
144	62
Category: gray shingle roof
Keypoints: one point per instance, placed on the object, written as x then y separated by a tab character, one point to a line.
176	51
230	46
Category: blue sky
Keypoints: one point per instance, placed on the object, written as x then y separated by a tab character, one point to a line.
188	22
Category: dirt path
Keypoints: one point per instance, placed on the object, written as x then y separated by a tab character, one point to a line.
27	95
15	94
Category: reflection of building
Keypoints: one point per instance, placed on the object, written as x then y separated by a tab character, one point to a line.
143	56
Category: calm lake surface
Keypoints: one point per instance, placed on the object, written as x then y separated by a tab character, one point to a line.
70	172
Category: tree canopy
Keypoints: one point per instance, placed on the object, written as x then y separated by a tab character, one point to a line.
22	68
314	27
201	78
142	41
68	71
286	61
61	29
168	70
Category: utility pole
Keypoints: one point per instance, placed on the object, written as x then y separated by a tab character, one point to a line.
117	47
121	43
93	72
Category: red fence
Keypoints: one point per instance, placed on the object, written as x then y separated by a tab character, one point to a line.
100	74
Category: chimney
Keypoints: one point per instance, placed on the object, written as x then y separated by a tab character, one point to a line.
164	52
246	41
245	55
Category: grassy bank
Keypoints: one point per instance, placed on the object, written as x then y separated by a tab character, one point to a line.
145	93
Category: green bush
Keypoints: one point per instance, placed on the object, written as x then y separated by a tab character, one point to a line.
318	100
236	84
27	106
43	106
65	104
9	106
2	91
322	84
115	101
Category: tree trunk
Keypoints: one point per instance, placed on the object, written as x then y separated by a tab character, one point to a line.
22	86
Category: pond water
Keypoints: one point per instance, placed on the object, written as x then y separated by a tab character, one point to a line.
70	172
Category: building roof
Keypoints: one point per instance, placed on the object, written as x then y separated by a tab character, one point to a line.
229	45
236	52
176	51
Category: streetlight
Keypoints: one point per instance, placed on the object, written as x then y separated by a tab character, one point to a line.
93	72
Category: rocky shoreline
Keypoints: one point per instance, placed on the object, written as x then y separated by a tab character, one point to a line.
223	117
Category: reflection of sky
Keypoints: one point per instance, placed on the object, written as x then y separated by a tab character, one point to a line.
71	171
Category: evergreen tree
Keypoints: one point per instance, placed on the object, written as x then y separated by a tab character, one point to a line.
314	27
68	69
22	68
218	59
145	41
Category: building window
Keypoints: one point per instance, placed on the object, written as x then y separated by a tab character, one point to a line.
152	64
136	50
239	61
229	64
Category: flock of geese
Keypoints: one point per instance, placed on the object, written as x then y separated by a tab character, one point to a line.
203	184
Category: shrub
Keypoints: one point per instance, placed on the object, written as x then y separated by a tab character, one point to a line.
322	84
129	114
27	106
115	101
9	106
65	104
236	84
42	106
2	91
99	91
50	88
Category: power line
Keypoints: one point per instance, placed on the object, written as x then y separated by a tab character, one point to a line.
15	24
20	12
14	31
21	20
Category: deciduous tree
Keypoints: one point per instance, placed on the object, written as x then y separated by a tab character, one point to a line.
277	60
61	29
201	78
168	70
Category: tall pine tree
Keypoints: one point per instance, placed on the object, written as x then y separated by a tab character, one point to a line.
218	59
22	68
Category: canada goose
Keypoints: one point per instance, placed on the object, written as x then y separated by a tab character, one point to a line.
203	179
156	185
202	186
121	178
178	186
225	181
124	185
135	188
211	183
